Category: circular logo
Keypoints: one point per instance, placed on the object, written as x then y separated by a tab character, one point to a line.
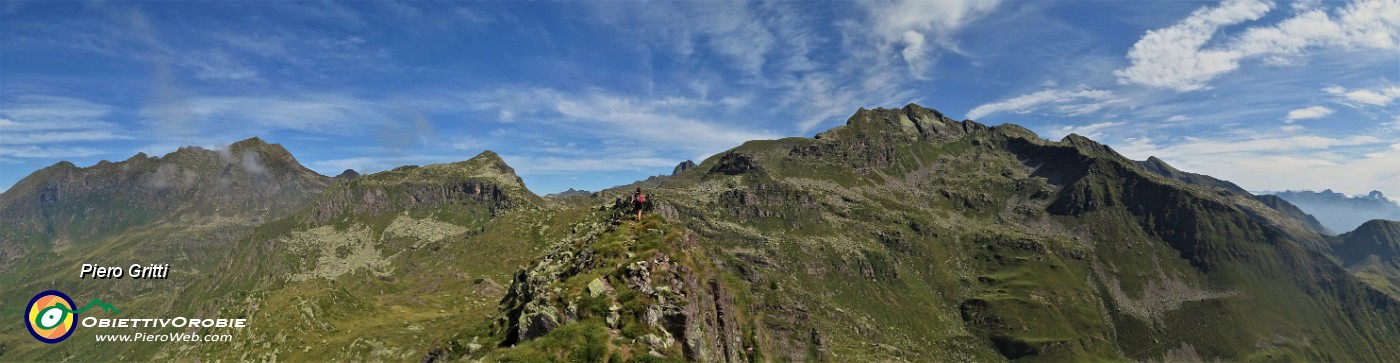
50	317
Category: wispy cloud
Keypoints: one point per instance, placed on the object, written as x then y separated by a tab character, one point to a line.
42	112
46	152
1376	97
1092	131
43	122
50	137
1308	113
322	113
917	29
1064	102
666	122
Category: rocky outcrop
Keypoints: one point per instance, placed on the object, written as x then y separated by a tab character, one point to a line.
735	163
683	166
645	294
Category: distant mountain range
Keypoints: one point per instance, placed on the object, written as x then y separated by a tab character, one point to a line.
902	235
1340	212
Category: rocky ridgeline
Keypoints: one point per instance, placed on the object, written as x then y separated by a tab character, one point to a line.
482	181
646	284
356	200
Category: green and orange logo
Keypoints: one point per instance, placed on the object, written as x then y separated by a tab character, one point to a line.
51	316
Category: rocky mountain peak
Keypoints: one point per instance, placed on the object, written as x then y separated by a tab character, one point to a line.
347	174
244	184
62	165
903	125
1091	147
683	166
489	161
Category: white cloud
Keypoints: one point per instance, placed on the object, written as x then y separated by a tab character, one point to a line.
1308	113
911	24
1305	5
1378	97
49	137
914	52
1172	57
1069	103
1176	57
32	151
1092	131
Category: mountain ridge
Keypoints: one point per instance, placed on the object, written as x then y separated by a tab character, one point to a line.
1006	245
1340	212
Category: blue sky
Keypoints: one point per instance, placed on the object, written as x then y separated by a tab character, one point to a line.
1270	95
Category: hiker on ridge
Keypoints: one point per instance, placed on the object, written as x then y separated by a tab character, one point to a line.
638	200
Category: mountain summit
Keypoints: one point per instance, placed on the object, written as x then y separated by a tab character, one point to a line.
249	182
